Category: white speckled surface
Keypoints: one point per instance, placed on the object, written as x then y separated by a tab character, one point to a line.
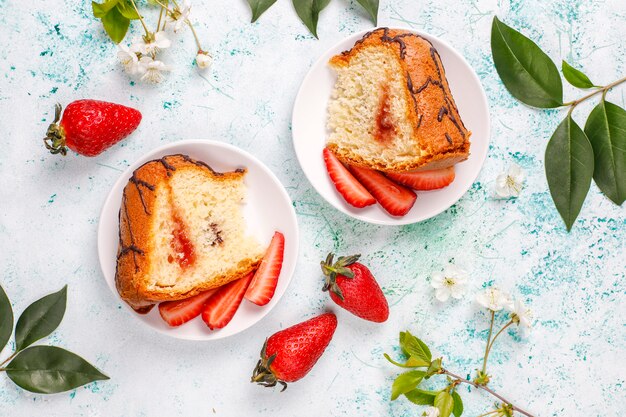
571	365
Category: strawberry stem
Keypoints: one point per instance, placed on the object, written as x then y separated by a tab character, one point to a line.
55	136
331	270
262	373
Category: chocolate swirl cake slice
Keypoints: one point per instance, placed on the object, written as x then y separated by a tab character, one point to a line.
181	232
391	108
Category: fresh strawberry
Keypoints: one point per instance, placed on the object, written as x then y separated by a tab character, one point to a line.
424	180
289	354
353	287
178	312
394	198
350	189
90	126
263	285
222	306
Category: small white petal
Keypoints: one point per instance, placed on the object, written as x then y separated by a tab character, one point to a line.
203	60
442	294
437	280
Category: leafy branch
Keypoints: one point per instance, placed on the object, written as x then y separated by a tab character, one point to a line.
574	156
309	10
41	369
447	400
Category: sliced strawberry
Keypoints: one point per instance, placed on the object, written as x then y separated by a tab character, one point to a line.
221	308
424	180
350	189
178	312
263	285
394	198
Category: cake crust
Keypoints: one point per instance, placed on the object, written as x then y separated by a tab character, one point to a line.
135	243
438	127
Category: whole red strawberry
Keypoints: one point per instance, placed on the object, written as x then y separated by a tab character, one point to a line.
88	127
353	287
289	354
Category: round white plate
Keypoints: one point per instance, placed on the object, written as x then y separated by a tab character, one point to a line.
267	208
310	133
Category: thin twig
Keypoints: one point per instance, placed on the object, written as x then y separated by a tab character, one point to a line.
493	315
8	359
145	28
495	394
602	90
496	336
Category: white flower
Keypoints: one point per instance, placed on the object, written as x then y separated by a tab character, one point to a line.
153	43
451	282
494	299
431	412
204	60
510	183
152	70
128	58
179	16
522	315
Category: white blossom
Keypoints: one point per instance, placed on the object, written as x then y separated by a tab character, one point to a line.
451	282
204	60
431	412
510	183
494	299
152	70
179	16
522	315
128	57
153	43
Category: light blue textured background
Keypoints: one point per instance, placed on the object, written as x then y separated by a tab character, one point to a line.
572	364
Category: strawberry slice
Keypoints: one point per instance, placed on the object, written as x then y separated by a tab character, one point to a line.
221	308
350	189
263	285
424	180
178	312
394	198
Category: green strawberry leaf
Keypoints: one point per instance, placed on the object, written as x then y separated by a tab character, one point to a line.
569	168
406	382
258	7
419	397
40	319
371	6
457	409
444	402
6	319
309	12
526	71
49	369
575	77
606	130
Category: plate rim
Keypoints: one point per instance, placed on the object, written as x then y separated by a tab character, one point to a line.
391	221
123	177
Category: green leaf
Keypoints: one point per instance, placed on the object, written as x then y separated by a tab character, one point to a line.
371	6
127	10
6	319
116	25
526	71
413	346
445	403
410	363
406	382
569	168
606	130
258	7
575	77
309	12
434	368
457	409
49	369
101	9
419	397
40	319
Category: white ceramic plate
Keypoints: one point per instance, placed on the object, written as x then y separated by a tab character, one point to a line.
310	133
268	208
